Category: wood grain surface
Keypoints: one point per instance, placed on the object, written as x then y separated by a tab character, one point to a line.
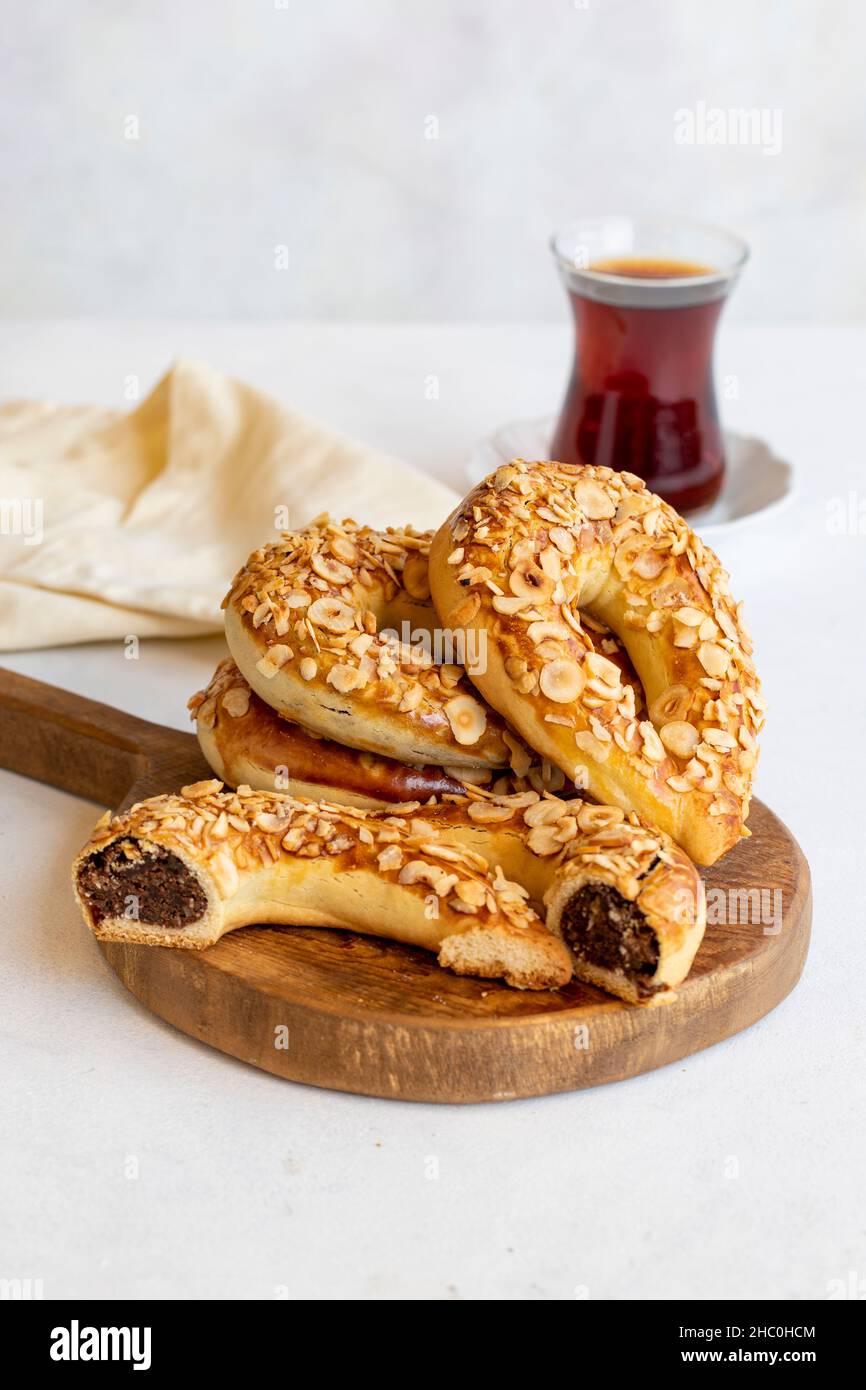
358	1014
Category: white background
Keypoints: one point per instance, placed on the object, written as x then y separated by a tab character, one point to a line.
303	125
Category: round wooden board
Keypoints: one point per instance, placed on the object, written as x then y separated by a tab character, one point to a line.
359	1014
364	1015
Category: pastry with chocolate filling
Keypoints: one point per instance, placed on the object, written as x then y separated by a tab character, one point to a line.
527	888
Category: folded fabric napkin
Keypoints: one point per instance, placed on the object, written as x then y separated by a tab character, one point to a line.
116	524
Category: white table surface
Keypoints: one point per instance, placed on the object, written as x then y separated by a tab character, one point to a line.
252	1187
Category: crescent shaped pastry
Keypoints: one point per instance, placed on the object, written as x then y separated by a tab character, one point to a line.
534	555
246	742
624	907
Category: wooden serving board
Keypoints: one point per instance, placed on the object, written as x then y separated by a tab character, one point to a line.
358	1014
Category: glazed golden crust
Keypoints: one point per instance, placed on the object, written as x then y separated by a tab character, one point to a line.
263	857
555	848
316	621
259	857
247	742
538	549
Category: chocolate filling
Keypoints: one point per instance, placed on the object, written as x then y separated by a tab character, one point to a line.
140	883
603	928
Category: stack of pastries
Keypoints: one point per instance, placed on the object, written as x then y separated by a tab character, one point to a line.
509	741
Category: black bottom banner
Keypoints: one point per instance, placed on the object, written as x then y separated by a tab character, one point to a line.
69	1338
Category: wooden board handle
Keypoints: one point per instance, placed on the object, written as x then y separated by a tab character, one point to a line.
75	744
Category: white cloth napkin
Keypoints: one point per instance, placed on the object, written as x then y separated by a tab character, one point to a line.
116	524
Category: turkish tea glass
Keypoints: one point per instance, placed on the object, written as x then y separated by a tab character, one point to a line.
646	295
